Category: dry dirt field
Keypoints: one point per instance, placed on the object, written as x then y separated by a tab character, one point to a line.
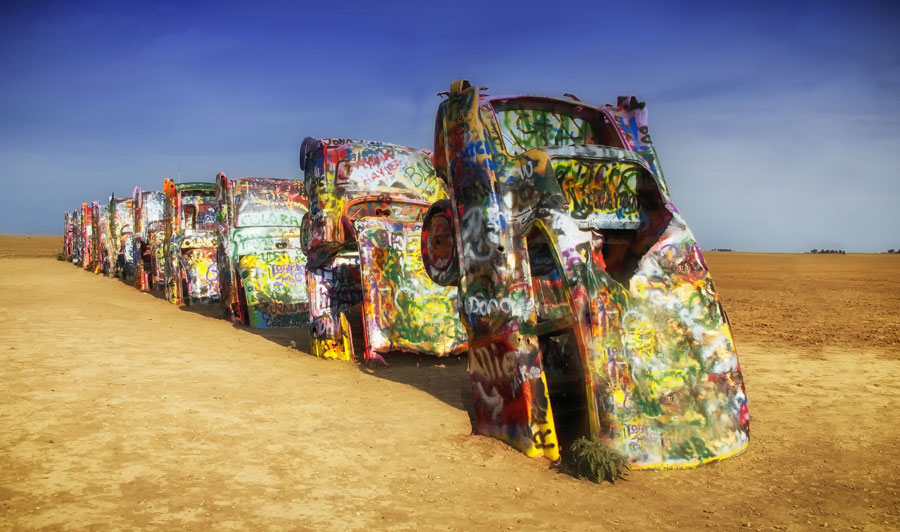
119	411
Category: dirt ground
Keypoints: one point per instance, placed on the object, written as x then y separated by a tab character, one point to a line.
119	411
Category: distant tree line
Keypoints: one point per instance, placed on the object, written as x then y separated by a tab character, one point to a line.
893	251
721	249
828	251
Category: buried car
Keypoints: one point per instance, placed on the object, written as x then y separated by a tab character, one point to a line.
68	237
148	239
262	267
589	308
77	237
100	218
361	237
121	229
89	243
191	272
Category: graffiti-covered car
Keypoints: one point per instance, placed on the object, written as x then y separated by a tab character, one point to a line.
77	237
191	272
89	241
148	239
68	237
101	218
590	309
362	237
262	267
121	228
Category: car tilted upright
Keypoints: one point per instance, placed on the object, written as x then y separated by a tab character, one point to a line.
191	270
148	239
362	237
262	267
89	242
68	237
589	308
121	229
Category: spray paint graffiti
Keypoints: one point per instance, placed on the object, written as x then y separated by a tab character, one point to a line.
101	217
332	292
68	245
147	239
77	238
361	237
90	244
189	218
589	308
400	301
120	231
261	263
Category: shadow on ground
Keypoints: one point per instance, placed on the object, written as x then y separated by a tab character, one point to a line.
445	378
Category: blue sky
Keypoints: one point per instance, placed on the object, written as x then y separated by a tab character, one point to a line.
777	124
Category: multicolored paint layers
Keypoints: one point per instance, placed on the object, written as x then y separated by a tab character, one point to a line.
589	308
121	229
68	244
148	239
77	237
366	203
191	269
89	244
333	291
102	230
400	301
262	266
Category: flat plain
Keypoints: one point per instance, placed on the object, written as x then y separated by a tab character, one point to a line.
119	411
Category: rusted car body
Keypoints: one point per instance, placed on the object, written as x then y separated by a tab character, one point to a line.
589	308
121	229
361	238
148	239
262	267
191	272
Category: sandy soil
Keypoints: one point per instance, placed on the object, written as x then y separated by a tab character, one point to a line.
119	411
30	246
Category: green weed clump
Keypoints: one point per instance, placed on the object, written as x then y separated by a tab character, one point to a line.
598	461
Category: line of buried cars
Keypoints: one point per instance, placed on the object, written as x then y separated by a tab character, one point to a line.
538	237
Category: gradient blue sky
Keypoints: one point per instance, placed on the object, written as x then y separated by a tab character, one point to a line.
778	124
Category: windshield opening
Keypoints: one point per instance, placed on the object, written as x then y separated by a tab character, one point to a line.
526	124
198	211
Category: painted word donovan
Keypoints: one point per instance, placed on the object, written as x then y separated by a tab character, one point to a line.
362	237
589	308
262	268
191	270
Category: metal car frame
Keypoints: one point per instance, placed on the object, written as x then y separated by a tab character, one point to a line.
68	236
262	267
148	239
77	238
101	218
121	230
191	269
361	237
589	308
90	260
